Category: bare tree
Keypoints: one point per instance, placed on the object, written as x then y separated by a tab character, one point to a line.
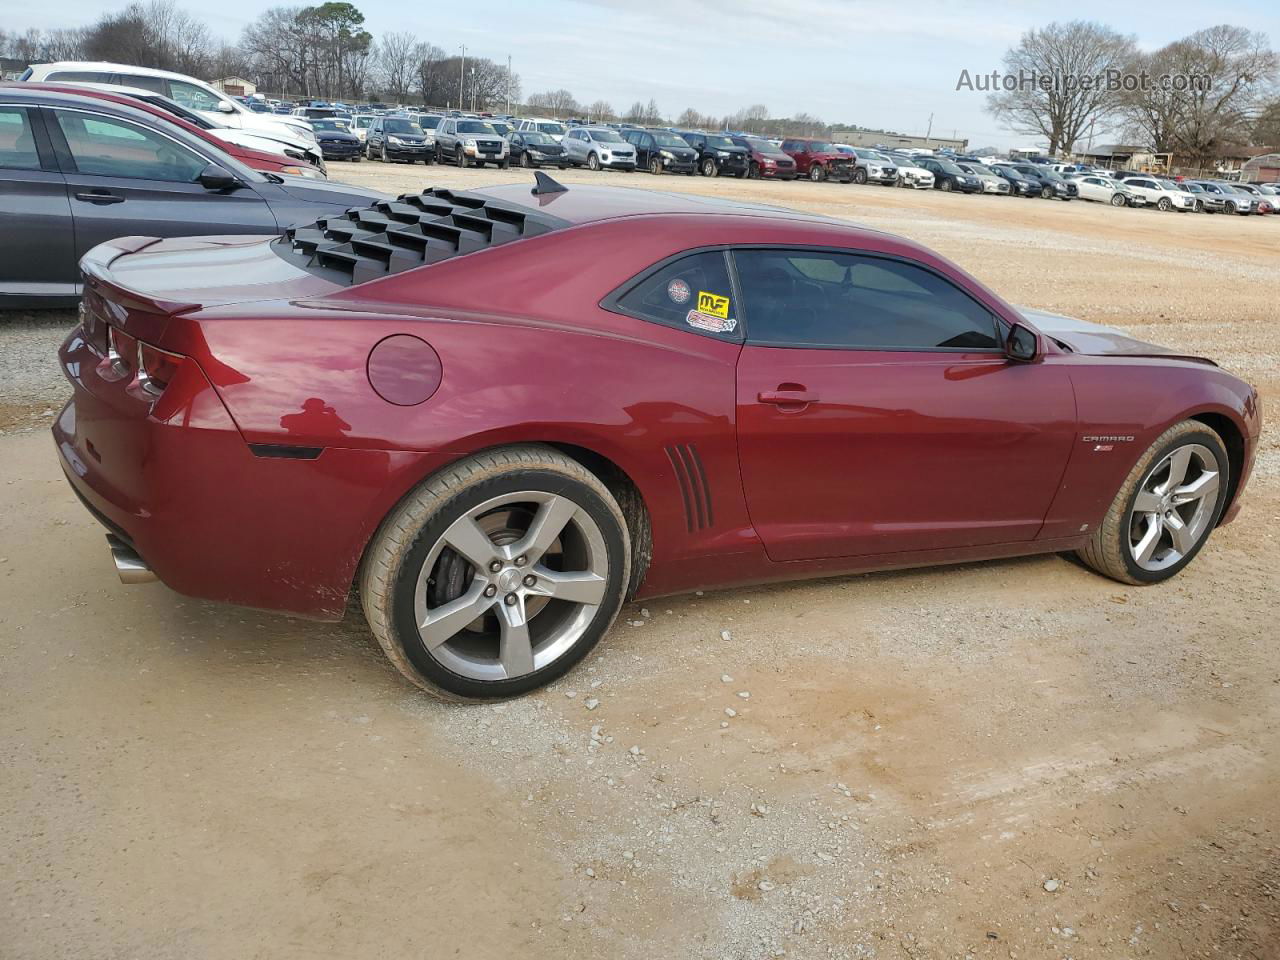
751	119
600	110
1266	131
397	63
1059	81
429	72
556	102
643	113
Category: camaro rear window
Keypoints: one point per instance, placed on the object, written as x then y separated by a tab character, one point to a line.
692	293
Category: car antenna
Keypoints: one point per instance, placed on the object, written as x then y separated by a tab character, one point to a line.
546	185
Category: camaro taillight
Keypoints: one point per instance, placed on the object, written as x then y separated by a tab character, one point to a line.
124	350
156	368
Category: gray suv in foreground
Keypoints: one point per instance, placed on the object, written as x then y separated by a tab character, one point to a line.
77	171
597	148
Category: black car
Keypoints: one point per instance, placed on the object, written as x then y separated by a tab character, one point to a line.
1051	184
661	151
530	148
948	177
76	171
468	141
717	154
1019	184
336	140
396	138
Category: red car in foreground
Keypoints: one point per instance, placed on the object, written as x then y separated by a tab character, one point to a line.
499	414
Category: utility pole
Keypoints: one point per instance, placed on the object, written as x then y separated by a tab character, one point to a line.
508	84
462	72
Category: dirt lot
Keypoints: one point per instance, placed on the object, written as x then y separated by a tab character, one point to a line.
1014	759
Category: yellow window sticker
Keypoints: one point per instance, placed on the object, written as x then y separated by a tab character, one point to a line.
713	304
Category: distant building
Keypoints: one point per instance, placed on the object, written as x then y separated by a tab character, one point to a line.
1264	169
884	138
11	69
235	86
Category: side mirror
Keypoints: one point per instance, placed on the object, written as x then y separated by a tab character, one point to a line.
1021	345
214	177
224	107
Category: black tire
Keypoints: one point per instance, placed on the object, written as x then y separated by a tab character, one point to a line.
390	572
753	171
426	159
1165	204
525	161
690	173
1199	206
1107	552
655	166
946	186
1046	193
460	159
817	173
564	166
1231	206
385	158
593	161
368	152
740	174
709	167
505	164
1117	200
355	158
859	176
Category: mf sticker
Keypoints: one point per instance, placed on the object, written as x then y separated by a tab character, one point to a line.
712	324
679	291
713	304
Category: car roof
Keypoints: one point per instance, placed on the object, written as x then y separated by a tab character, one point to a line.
108	67
588	204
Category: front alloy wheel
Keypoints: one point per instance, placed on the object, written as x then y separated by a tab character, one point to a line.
1163	514
1165	204
817	173
655	166
708	167
499	574
593	162
1117	200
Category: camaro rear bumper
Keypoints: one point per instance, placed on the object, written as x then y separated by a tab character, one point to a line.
212	517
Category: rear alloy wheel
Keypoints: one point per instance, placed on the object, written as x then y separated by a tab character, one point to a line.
1117	200
1165	204
817	173
655	165
1165	510
498	574
708	167
593	161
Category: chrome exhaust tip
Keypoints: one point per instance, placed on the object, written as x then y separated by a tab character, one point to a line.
130	567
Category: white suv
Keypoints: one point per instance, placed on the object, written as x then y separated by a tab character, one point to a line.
187	91
1162	194
552	128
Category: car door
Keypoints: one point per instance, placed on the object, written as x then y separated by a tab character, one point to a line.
878	414
37	234
125	179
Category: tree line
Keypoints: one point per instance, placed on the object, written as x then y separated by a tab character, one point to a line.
1211	91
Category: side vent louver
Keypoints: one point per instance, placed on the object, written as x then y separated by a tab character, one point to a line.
691	478
366	243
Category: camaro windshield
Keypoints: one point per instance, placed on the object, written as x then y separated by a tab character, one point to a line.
402	126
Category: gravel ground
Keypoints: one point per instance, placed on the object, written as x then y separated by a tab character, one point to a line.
1011	759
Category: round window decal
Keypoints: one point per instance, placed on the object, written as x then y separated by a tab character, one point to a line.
679	291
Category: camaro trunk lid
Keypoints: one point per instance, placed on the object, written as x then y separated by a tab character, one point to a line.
1095	340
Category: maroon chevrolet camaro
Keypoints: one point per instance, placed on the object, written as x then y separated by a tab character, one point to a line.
494	416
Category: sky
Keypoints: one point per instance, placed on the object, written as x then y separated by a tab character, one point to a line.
889	64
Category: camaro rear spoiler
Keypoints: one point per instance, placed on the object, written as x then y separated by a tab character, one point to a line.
95	266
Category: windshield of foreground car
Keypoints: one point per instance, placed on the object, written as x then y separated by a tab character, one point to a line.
949	167
904	162
427	122
605	136
720	143
819	147
402	126
534	138
475	126
669	140
336	125
552	128
980	170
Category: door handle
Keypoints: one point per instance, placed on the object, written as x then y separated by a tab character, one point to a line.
94	196
787	397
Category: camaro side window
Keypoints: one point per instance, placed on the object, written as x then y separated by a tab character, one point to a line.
824	299
107	147
692	293
17	143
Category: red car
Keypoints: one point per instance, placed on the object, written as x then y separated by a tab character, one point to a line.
767	162
819	160
499	414
255	159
